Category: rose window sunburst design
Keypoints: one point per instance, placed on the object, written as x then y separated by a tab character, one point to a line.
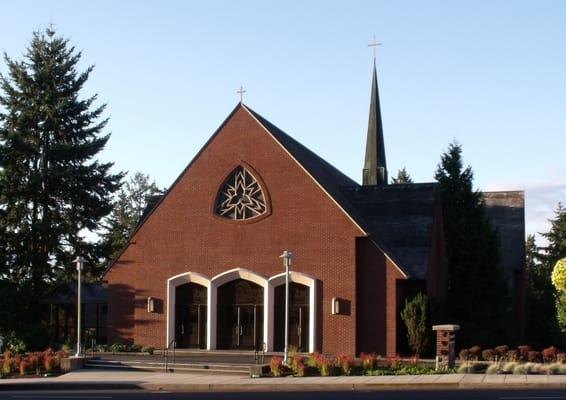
240	197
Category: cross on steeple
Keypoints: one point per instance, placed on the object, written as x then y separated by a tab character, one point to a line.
241	92
375	167
374	45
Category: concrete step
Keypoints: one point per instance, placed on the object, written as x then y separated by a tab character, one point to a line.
156	366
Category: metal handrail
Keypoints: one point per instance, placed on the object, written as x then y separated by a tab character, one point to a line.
174	344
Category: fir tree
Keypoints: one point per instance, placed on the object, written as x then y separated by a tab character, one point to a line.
403	177
556	237
477	295
554	251
131	202
54	191
540	330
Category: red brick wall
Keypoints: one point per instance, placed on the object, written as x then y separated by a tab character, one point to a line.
371	298
378	297
182	235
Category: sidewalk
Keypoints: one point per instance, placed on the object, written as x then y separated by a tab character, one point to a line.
114	380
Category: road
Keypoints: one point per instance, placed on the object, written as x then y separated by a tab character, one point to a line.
385	395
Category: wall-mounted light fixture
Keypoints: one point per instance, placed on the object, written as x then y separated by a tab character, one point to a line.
335	306
150	304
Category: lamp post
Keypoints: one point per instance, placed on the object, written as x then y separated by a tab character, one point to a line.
286	256
80	262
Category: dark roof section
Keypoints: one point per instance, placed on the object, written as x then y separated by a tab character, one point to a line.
330	178
400	218
90	293
375	166
335	183
506	211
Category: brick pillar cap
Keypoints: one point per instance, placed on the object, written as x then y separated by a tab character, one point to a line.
447	327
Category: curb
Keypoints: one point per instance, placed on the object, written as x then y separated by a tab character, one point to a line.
309	387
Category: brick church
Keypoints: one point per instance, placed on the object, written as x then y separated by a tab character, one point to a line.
203	267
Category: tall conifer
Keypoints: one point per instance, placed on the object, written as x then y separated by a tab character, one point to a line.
477	294
53	190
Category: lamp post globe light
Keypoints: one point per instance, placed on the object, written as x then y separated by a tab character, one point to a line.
80	263
286	256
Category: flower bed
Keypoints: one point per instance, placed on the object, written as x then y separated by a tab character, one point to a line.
33	363
504	360
317	364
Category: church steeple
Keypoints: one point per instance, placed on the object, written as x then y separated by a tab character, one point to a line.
375	167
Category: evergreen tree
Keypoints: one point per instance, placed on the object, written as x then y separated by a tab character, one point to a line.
540	330
54	191
403	177
415	315
556	237
131	202
477	295
554	251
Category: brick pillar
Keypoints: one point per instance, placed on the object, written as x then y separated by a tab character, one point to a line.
445	345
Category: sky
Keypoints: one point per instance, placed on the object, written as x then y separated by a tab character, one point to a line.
488	74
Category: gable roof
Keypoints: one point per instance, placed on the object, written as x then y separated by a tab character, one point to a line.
361	205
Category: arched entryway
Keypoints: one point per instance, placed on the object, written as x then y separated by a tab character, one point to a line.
190	315
299	317
302	312
184	292
240	315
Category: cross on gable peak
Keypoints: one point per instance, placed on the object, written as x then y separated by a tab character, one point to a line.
241	93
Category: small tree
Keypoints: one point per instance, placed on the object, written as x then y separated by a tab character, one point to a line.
130	204
415	317
403	177
559	282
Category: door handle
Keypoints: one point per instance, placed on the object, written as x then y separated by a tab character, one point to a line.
182	329
241	330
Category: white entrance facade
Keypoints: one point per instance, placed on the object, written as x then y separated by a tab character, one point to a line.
268	285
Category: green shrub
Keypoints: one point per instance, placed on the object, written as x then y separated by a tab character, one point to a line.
118	348
134	348
472	368
415	316
520	369
147	349
493	368
508	367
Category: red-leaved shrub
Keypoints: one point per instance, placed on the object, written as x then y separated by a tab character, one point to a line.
524	352
24	366
369	361
475	352
464	354
488	355
534	356
502	351
549	354
345	363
